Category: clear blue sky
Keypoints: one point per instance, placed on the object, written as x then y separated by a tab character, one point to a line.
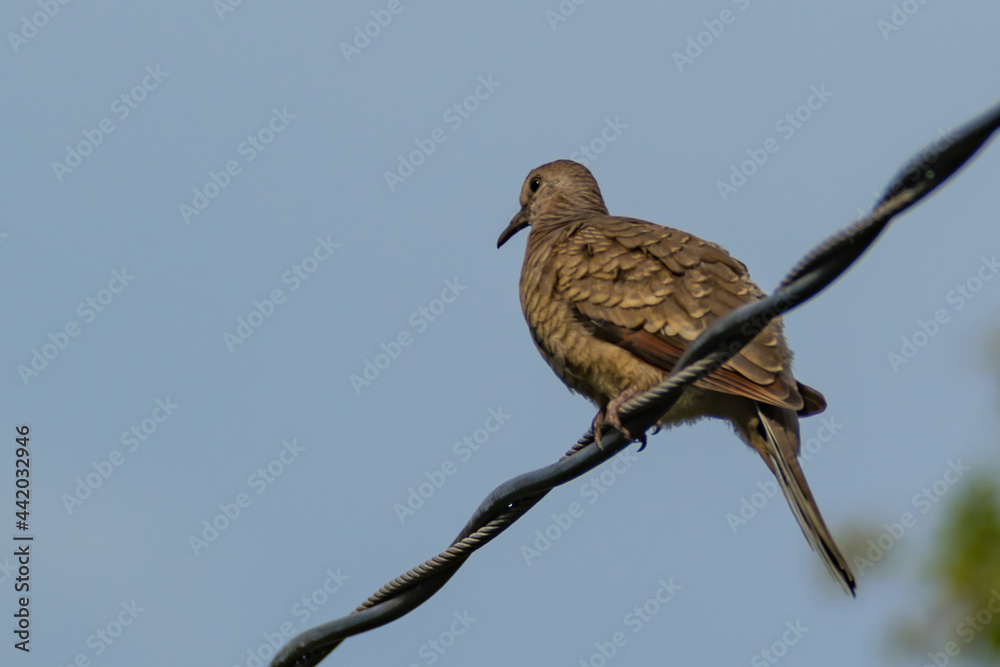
171	168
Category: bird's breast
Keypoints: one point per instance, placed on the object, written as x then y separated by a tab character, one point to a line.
595	368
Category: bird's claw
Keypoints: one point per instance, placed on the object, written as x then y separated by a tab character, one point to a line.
608	416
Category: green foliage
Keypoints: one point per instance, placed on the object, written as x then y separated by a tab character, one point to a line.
962	612
967	564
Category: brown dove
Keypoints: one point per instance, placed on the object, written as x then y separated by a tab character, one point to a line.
613	302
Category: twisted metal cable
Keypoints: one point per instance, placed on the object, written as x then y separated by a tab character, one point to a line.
716	345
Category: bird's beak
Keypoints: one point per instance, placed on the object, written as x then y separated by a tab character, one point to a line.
519	222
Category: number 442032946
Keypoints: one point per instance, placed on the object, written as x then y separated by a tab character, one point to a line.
21	495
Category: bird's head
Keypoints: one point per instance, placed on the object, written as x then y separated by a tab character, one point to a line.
561	188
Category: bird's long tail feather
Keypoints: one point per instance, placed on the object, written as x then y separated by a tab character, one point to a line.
780	431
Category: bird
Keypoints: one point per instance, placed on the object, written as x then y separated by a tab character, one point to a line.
611	304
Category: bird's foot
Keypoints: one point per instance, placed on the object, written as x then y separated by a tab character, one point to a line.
609	416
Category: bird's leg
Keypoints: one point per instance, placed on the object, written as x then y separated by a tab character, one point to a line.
597	426
608	416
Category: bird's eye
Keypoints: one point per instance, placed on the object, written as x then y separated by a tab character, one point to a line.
535	183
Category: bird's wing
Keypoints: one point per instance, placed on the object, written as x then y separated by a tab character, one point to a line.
651	290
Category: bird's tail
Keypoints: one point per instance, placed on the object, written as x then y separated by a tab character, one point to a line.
779	428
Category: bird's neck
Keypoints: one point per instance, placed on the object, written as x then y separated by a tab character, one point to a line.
561	212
